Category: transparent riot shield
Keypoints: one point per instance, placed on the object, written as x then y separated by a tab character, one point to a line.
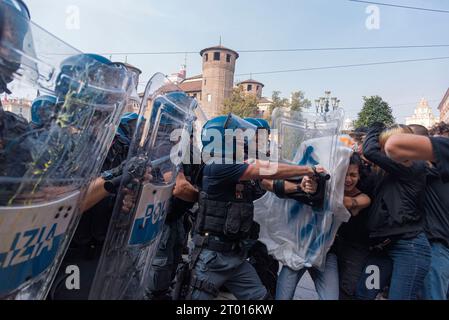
296	234
45	170
146	188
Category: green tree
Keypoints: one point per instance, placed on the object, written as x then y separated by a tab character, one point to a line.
298	102
241	104
374	110
278	102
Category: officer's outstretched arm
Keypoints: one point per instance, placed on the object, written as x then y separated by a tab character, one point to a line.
184	190
307	185
95	193
259	170
402	147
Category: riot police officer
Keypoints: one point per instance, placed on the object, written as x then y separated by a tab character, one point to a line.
173	238
86	245
225	216
14	24
176	228
266	265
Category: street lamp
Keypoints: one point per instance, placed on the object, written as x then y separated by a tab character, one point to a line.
317	105
325	102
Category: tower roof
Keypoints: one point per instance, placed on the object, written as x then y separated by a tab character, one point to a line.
219	48
423	104
251	81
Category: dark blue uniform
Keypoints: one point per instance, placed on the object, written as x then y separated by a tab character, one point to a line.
222	240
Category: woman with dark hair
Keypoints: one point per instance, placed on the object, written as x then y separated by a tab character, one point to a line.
352	241
395	222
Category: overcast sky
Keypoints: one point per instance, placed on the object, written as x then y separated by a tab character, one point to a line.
178	25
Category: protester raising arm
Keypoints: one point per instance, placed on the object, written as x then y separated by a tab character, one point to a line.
373	152
410	147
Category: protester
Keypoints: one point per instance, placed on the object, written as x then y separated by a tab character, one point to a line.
441	129
353	237
436	208
396	220
419	130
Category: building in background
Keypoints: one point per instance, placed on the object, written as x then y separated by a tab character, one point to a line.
348	125
133	104
193	86
264	106
444	108
18	106
253	87
218	78
216	83
179	76
423	115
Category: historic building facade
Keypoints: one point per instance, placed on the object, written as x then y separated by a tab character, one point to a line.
423	115
444	108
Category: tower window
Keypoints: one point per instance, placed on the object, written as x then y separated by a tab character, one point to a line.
217	56
206	57
209	98
228	58
258	88
250	87
205	81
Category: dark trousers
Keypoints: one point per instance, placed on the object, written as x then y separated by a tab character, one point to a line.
352	258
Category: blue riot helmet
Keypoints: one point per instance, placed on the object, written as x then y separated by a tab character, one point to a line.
42	110
170	106
127	126
92	78
14	43
78	71
261	124
225	127
119	149
89	83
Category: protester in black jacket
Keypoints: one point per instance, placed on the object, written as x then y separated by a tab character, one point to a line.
396	216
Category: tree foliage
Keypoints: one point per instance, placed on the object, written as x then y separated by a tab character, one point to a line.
241	104
375	109
278	102
298	101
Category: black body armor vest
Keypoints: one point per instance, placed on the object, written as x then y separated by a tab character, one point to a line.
233	219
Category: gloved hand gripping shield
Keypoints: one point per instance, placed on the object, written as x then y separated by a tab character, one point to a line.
297	234
44	171
145	190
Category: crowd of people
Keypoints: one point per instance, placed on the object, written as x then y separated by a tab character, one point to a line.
394	246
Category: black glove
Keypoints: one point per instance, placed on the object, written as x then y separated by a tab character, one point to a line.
113	178
315	200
